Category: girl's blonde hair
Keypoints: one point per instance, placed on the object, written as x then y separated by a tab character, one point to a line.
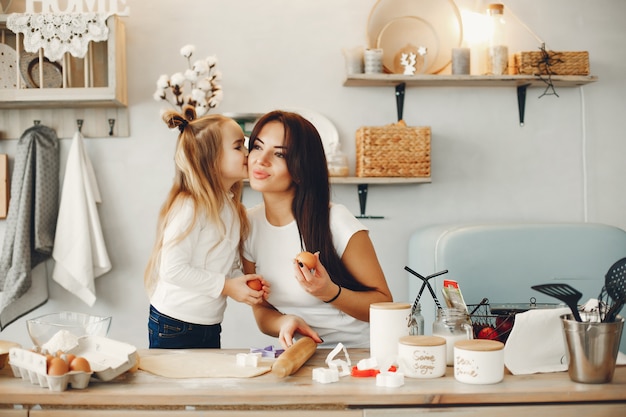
198	176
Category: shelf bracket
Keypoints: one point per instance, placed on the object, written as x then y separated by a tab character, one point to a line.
363	201
400	99
521	101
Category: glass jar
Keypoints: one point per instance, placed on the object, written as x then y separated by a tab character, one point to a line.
416	322
452	324
497	49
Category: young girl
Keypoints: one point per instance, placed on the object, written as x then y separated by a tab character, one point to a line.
330	303
200	232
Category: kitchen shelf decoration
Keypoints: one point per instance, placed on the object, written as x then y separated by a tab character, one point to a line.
202	77
63	67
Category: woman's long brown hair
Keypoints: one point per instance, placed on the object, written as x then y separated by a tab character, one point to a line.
306	162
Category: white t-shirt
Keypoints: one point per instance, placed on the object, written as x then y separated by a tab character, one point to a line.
192	271
273	250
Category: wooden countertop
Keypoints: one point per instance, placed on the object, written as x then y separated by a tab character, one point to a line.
299	391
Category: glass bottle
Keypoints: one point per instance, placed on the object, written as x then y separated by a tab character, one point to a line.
337	162
497	49
416	323
452	324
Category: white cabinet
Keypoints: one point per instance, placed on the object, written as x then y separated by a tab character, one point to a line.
92	89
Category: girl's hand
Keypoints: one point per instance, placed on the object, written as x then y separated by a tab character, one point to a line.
239	290
290	325
315	281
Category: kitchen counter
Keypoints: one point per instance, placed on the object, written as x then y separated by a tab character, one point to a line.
145	394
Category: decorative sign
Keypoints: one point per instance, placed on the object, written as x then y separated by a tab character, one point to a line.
118	7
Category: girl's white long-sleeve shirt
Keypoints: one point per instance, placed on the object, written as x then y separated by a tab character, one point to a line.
192	271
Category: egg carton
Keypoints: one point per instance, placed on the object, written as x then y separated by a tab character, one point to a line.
108	359
31	366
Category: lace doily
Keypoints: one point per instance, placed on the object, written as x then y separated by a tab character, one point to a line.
59	33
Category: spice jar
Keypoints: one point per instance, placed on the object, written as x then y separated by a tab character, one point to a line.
479	361
422	356
452	324
497	49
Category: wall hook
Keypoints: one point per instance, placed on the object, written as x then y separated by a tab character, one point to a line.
79	124
36	122
111	126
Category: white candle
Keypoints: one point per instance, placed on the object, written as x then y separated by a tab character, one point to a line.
460	61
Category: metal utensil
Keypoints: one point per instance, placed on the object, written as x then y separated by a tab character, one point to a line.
564	292
615	284
425	279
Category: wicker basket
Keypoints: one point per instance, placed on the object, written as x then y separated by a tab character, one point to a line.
561	63
395	150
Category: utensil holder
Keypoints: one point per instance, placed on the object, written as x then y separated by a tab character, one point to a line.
592	349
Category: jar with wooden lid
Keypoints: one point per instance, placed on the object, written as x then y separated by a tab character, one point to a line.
389	321
479	361
422	356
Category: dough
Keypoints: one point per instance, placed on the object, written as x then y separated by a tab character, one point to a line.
199	365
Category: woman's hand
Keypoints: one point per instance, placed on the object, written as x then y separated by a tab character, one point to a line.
239	290
315	281
290	325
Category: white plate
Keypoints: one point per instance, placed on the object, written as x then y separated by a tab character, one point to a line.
8	64
404	35
442	15
326	128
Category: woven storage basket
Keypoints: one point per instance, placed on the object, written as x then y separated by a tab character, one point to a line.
395	150
561	63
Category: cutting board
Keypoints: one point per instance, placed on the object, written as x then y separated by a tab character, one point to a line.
199	364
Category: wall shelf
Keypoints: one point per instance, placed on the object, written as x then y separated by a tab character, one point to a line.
429	80
92	89
520	82
363	185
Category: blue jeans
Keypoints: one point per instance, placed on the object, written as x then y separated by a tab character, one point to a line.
166	332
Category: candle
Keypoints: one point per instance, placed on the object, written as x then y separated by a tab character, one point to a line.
460	61
373	61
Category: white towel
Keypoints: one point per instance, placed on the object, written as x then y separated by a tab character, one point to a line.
79	249
537	344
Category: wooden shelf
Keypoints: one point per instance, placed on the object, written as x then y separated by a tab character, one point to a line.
520	82
391	80
379	180
107	69
94	91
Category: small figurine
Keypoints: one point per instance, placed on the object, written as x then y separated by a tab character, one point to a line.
408	61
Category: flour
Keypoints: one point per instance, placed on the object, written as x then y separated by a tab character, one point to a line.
63	340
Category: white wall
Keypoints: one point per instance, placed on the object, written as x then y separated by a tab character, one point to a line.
565	164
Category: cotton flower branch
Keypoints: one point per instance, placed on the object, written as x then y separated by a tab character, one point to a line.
201	79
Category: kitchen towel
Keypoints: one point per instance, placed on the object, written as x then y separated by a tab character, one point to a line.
536	343
30	224
79	248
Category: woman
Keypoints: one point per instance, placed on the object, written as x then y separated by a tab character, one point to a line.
330	302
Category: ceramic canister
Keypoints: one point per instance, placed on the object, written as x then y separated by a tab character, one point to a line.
388	323
422	356
479	361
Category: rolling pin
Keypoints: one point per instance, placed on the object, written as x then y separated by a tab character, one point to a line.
294	357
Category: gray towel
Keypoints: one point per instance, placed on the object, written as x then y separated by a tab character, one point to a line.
30	224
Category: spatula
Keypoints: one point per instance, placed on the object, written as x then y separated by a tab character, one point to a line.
615	283
564	292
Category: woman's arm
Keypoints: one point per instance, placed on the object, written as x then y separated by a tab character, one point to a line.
273	323
360	259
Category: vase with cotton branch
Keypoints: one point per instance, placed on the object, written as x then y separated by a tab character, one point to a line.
198	86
